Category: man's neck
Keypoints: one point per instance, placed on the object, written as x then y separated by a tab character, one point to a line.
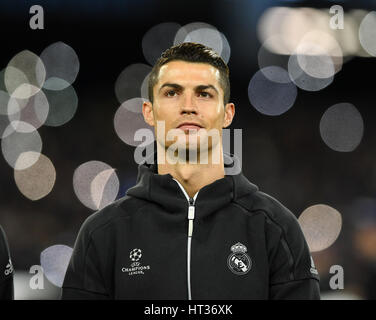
192	176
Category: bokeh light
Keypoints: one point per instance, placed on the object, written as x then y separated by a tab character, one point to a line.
266	57
33	110
95	184
270	26
62	66
20	137
38	180
319	43
367	33
134	104
4	100
129	83
289	26
303	80
54	261
226	49
347	37
145	88
341	127
272	97
358	15
104	188
321	226
205	34
63	106
24	75
299	22
4	123
158	39
2	83
127	122
314	61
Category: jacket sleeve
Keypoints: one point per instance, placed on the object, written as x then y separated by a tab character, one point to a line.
293	275
84	276
6	269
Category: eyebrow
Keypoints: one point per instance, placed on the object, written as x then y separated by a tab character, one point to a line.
179	87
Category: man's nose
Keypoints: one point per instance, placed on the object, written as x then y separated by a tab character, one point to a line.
189	103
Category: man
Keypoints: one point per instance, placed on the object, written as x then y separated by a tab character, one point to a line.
188	230
6	269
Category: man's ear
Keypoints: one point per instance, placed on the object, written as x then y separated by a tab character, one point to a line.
148	112
229	114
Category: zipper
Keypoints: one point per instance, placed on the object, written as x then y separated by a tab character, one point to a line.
190	216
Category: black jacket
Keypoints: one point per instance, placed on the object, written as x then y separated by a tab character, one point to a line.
6	269
244	245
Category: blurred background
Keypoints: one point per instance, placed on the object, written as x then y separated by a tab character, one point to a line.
302	80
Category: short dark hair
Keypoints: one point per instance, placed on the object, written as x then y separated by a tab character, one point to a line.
192	52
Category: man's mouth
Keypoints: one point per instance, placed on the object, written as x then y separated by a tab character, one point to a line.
189	126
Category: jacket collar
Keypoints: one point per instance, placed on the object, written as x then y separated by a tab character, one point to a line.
164	191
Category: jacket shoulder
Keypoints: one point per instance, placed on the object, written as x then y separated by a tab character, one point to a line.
280	219
110	214
273	210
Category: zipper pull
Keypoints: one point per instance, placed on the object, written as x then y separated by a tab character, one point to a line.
191	216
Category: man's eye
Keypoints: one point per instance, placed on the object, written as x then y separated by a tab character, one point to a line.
170	93
205	94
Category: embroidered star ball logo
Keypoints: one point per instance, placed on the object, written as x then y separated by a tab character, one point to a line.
239	261
135	254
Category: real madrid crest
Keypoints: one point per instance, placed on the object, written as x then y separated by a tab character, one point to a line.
238	261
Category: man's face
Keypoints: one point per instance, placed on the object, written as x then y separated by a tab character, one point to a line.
188	93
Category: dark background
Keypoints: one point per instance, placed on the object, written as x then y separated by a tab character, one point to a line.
284	155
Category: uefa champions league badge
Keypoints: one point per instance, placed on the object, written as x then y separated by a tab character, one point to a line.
238	261
135	267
